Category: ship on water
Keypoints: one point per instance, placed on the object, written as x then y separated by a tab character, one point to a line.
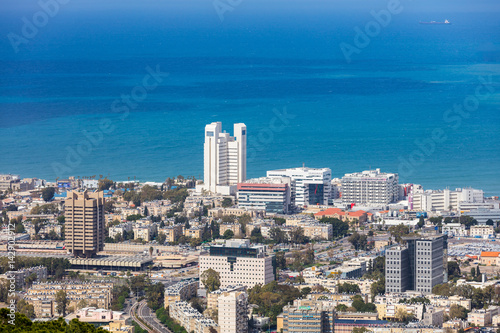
434	22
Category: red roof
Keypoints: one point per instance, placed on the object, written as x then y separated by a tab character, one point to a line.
329	211
357	213
490	254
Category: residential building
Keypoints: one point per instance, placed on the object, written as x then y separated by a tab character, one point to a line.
370	187
21	275
118	327
298	319
481	230
181	291
213	297
234	227
454	229
419	266
9	182
318	231
225	158
482	317
238	263
194	232
120	229
42	295
171	232
272	195
308	186
190	318
444	200
233	313
84	226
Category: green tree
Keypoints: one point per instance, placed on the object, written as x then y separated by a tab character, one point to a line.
210	279
339	228
62	302
227	202
277	235
104	184
348	288
161	238
421	222
25	308
228	234
458	311
48	193
453	269
297	236
341	308
280	260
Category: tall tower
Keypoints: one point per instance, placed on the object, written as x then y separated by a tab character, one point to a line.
233	315
84	227
225	156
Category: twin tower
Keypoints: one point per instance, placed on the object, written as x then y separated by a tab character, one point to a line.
225	158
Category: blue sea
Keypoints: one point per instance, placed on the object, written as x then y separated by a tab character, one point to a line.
420	100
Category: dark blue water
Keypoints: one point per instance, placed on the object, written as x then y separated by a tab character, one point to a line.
278	68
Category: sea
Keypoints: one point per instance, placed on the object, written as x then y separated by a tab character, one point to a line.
124	89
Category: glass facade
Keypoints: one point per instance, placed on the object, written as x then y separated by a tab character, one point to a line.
316	193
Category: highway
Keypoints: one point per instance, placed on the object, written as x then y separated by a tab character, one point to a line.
142	311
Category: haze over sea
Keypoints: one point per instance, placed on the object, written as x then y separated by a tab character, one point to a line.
263	56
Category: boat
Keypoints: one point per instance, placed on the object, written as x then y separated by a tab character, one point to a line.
434	22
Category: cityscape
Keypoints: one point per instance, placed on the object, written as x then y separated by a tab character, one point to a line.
261	166
295	250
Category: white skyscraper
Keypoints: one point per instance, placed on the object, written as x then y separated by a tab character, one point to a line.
225	158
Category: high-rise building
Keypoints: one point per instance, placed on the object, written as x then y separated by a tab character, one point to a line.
232	312
271	195
239	263
370	187
84	224
308	186
225	158
419	266
444	200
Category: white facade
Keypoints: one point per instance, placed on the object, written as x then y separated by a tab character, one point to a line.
309	186
239	264
271	195
232	309
443	200
483	215
370	187
481	230
225	157
454	229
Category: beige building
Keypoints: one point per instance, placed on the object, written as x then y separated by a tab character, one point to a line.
482	317
234	227
42	296
181	291
84	224
213	297
119	328
172	233
233	313
190	318
193	232
481	230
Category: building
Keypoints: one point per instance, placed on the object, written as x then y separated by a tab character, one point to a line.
308	186
213	297
233	313
171	232
370	187
419	266
9	182
298	319
191	319
42	295
481	230
181	291
490	258
84	226
120	229
454	229
271	195
483	215
118	327
482	317
238	263
444	200
234	227
225	158
20	275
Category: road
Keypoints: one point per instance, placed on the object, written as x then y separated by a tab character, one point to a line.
144	312
134	318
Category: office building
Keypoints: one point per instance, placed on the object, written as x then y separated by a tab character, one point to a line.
418	266
84	213
271	195
483	215
233	313
370	187
308	186
225	158
238	263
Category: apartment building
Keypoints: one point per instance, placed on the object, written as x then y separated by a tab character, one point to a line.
482	317
238	263
233	312
419	266
193	232
120	229
84	224
370	187
42	295
21	275
145	232
181	291
191	319
308	186
454	229
171	232
225	158
444	200
234	227
213	297
298	319
272	195
481	230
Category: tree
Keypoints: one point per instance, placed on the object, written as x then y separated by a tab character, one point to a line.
277	235
297	236
402	315
399	231
421	222
490	222
348	288
82	304
62	302
48	193
458	311
339	228
453	269
104	184
227	202
360	242
161	238
228	234
25	308
210	279
341	308
280	260
30	279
